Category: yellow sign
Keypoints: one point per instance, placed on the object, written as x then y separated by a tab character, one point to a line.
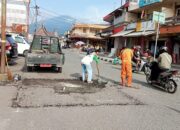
138	26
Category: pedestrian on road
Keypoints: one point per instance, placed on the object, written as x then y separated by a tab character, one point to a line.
86	66
126	56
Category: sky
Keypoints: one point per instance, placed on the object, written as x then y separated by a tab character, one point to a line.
93	10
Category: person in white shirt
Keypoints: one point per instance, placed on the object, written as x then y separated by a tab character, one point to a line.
86	66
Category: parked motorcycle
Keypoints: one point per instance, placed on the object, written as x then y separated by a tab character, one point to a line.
166	80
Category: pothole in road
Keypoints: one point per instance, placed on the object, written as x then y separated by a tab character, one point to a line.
64	86
35	93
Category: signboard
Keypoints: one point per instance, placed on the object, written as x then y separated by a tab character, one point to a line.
19	28
146	26
138	26
147	2
159	17
131	26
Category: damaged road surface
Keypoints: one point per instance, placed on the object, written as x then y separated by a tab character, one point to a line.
54	101
36	93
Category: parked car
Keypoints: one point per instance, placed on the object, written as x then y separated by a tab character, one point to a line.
7	48
23	45
45	52
12	46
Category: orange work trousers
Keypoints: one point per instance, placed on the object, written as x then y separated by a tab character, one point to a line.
126	73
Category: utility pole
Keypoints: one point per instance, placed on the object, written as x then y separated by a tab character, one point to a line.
3	39
37	13
28	10
3	35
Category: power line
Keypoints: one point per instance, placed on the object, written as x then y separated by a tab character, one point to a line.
55	13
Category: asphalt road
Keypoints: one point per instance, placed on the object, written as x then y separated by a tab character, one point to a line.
38	107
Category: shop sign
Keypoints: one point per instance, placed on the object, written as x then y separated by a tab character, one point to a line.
118	29
146	26
149	26
131	26
147	2
159	17
19	28
138	26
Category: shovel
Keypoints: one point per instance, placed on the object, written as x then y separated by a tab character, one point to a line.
97	66
99	80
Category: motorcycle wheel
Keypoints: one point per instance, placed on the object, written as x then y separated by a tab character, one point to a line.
147	70
148	76
171	86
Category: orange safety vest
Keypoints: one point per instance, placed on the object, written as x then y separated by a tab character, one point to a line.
126	55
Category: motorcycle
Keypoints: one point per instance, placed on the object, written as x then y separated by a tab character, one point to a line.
143	66
166	80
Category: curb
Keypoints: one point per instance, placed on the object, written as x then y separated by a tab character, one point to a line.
106	59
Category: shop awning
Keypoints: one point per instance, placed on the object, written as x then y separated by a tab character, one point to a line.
137	34
122	33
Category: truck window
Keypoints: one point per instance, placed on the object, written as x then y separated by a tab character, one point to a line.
36	43
55	48
18	40
49	44
45	43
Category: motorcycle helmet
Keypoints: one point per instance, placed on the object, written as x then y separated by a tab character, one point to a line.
163	48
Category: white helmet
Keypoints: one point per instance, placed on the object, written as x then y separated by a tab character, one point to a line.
164	48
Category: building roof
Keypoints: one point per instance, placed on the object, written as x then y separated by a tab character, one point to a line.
110	16
96	26
86	36
43	32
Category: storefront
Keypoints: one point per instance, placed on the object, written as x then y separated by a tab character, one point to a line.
141	34
172	34
176	50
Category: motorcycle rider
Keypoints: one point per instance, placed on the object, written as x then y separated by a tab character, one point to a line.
163	64
137	56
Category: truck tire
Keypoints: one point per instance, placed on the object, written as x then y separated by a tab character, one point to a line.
29	68
59	69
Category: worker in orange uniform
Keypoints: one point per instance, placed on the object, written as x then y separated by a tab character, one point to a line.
126	56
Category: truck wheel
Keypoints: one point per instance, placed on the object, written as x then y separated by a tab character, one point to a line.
59	69
29	68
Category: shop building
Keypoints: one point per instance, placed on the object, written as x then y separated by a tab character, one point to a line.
87	33
17	16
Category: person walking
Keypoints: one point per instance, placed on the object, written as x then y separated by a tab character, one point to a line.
86	66
126	56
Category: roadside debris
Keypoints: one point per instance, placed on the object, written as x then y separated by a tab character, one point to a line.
17	77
